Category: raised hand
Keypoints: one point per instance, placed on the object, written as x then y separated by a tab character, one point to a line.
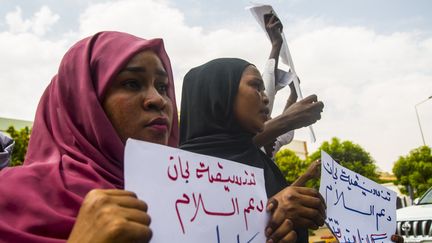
274	28
302	113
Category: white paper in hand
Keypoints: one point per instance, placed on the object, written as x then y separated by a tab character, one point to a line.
258	11
196	198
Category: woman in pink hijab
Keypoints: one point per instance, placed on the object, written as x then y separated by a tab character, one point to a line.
109	87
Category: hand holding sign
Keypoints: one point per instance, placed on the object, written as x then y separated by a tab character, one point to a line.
198	198
303	206
111	216
280	233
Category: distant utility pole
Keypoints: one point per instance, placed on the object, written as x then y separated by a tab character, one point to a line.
418	118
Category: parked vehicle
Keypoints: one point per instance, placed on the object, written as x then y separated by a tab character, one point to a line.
414	223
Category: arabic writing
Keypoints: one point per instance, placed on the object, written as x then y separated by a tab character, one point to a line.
218	237
207	172
190	195
345	176
215	175
358	209
356	236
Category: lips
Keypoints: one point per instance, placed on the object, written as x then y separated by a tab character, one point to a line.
159	124
265	112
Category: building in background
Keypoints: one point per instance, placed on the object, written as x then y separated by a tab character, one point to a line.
298	147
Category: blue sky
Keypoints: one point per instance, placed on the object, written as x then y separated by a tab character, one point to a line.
382	15
369	61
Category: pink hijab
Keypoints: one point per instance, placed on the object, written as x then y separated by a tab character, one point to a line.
73	147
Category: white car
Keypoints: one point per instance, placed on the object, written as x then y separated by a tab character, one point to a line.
414	223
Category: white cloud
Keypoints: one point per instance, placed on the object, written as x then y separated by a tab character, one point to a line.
43	20
187	46
39	24
368	81
16	23
28	61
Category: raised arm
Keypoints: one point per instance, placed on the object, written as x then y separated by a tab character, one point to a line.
302	113
312	172
274	30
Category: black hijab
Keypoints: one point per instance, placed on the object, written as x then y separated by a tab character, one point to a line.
208	124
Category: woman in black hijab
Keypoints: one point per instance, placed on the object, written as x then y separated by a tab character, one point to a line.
223	107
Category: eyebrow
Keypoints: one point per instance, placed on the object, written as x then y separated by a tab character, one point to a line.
159	72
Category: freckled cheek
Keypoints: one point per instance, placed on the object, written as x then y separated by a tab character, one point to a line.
124	113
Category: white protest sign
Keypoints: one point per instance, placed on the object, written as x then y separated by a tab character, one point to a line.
196	198
358	209
258	11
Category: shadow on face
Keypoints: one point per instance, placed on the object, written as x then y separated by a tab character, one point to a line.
250	103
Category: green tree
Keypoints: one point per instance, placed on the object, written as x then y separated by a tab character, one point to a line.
349	155
21	138
290	164
415	169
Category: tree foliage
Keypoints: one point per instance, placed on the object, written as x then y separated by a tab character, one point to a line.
349	155
21	138
290	164
415	169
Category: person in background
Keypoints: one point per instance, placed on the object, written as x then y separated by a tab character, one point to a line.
6	148
223	107
109	87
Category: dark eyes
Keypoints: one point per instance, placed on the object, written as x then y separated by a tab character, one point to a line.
132	84
258	85
136	85
162	88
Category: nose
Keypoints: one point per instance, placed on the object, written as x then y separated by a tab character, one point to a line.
153	100
265	98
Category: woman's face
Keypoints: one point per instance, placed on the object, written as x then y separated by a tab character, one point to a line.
250	103
137	103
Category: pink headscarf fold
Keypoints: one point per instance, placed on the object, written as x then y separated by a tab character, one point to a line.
73	147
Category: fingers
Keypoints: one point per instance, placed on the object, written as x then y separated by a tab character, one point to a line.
311	198
311	109
274	24
284	233
312	217
291	237
98	198
314	100
116	192
310	99
138	232
303	206
134	215
277	216
270	19
130	202
318	106
272	204
314	169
